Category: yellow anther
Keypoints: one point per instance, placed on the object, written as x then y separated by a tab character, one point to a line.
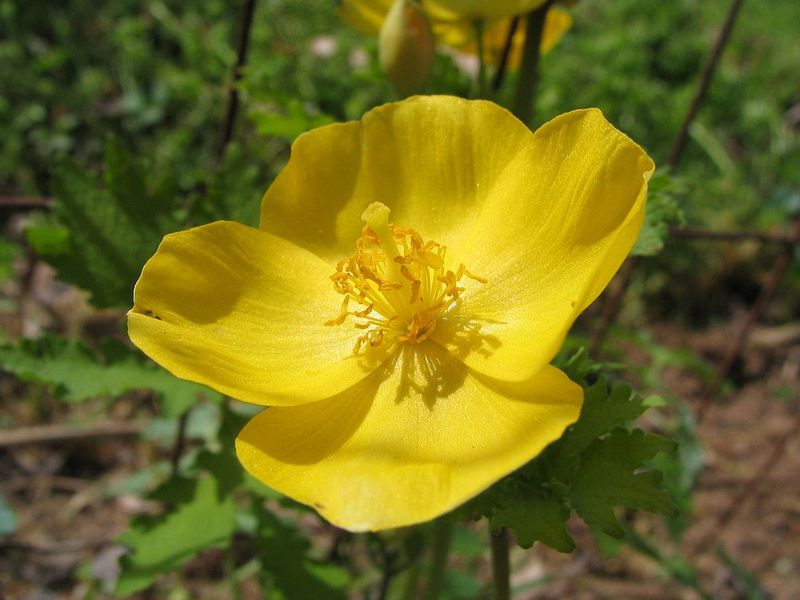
388	261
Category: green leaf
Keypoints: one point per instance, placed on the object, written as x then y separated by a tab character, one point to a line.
201	518
603	410
108	233
535	518
287	568
77	373
663	210
607	478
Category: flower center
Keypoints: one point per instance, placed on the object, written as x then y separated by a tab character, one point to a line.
399	280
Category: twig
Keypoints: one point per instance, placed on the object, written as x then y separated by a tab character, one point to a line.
690	233
705	81
613	304
502	64
25	202
771	284
45	434
62	548
232	105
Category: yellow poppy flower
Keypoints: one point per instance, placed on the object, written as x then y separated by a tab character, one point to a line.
413	275
367	16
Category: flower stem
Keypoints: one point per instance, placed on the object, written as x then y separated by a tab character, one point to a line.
528	80
443	531
501	569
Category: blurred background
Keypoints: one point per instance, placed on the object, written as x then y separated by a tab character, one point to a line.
122	121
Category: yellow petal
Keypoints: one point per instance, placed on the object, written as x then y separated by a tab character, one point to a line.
365	15
453	10
242	311
554	230
410	442
431	159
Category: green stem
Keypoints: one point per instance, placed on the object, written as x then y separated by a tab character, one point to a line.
411	582
479	28
528	80
443	531
501	567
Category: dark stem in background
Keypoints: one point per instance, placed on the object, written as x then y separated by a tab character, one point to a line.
766	294
501	566
705	81
502	64
528	80
232	104
614	304
180	443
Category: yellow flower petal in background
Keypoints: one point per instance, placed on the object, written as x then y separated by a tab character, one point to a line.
576	196
461	36
409	443
471	10
243	312
368	16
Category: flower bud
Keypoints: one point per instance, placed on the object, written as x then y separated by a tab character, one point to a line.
406	47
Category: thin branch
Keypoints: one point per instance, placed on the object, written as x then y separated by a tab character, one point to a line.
502	64
47	434
690	233
613	304
773	280
232	105
705	81
25	202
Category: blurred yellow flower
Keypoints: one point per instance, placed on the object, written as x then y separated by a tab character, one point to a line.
413	275
459	33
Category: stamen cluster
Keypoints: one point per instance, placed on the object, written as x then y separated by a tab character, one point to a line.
403	288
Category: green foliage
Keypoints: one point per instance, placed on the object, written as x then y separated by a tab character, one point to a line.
200	517
663	210
287	571
234	192
77	373
106	235
595	467
293	120
606	479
